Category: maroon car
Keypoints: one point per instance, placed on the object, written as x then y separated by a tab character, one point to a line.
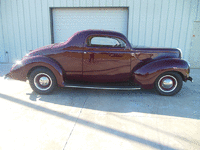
102	59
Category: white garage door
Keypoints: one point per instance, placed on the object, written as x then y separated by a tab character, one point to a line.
67	21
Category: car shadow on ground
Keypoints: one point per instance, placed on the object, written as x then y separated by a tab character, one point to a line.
112	131
141	101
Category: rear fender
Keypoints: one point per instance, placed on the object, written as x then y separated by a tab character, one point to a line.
21	70
147	74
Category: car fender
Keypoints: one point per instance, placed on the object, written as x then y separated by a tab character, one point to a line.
22	69
147	74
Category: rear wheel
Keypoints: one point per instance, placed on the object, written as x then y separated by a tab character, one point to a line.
42	80
169	83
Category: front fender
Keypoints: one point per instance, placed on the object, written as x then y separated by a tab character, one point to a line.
147	74
20	70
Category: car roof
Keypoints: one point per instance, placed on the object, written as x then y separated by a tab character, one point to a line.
78	38
100	32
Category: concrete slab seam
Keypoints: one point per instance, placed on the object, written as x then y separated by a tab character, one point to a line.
75	124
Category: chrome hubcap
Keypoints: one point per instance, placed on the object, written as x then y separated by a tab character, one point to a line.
167	83
42	81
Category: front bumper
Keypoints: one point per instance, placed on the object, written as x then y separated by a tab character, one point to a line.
7	77
190	79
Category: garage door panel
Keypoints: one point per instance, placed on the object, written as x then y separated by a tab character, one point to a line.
67	21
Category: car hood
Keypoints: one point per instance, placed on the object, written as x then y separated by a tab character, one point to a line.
46	50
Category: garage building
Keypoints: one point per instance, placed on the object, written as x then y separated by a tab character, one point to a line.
28	24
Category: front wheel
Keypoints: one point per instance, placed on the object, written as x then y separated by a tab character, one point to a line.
169	83
42	80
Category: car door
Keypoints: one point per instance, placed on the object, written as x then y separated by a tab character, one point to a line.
106	59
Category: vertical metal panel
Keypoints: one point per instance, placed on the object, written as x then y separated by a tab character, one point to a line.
39	23
11	40
51	4
45	22
194	55
21	28
63	3
82	3
102	3
109	3
2	48
149	23
136	21
27	25
123	2
177	23
33	20
76	3
170	23
16	33
142	27
156	22
56	3
184	26
193	9
198	11
130	19
70	3
89	3
96	3
163	23
116	2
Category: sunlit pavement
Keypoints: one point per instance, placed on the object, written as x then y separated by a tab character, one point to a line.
74	119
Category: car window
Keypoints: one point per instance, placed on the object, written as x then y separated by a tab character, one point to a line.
106	42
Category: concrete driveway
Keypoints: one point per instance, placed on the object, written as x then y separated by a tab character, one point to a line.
83	119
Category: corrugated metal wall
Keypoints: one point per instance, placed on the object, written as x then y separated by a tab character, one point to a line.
25	24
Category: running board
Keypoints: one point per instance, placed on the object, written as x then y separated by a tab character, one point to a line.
100	87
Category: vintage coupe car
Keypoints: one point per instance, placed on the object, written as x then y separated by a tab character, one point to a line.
101	59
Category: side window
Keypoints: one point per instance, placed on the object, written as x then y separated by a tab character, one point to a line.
105	42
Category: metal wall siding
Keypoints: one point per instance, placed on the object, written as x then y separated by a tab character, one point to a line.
21	26
116	2
123	2
63	3
39	23
163	23
143	8
2	52
130	19
33	20
170	23
193	9
45	22
177	23
11	37
25	25
135	24
156	22
102	3
15	27
198	11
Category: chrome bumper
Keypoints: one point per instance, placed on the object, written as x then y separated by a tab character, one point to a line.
7	76
190	79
